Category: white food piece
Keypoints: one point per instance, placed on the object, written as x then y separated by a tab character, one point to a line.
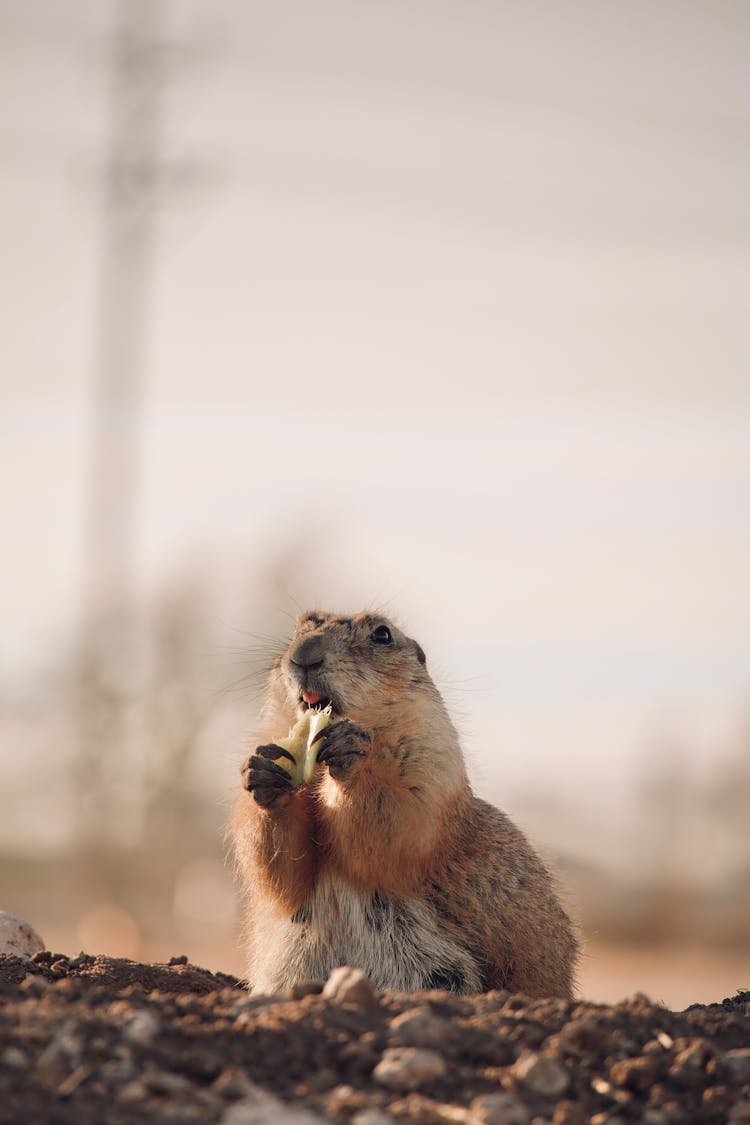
299	743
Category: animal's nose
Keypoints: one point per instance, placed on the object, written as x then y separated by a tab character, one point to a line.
307	653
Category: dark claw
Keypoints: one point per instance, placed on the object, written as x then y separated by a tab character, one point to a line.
321	734
273	751
262	766
266	780
329	753
344	744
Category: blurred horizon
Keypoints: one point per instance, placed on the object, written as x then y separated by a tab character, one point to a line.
442	308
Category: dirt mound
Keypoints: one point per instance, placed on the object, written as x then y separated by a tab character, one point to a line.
91	1039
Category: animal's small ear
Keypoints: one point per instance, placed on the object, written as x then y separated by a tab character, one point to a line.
420	653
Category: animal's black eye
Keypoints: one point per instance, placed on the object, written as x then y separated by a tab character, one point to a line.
381	635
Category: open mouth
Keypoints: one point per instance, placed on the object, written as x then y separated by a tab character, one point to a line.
315	701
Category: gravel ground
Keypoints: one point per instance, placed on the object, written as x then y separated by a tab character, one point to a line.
94	1039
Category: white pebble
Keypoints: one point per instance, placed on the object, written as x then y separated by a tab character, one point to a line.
348	986
498	1109
18	937
142	1028
420	1027
14	1058
406	1068
272	1112
736	1065
542	1075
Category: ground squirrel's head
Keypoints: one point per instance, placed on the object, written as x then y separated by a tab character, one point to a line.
361	666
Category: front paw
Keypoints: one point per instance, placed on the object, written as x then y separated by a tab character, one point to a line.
269	783
345	745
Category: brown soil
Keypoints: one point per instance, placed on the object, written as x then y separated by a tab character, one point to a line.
94	1039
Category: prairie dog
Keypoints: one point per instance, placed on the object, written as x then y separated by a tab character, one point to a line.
386	861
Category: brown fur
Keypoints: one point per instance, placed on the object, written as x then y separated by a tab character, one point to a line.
397	829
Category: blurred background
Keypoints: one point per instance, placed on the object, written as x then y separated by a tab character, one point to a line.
440	307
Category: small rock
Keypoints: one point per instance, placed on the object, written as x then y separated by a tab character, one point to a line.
322	1079
15	1058
542	1075
407	1068
579	1035
164	1082
18	937
496	997
372	1117
342	1098
654	1117
516	1003
420	1027
689	1066
637	1073
569	1113
117	1072
740	1113
305	988
718	1097
234	1084
498	1109
34	985
63	1052
453	1115
134	1091
421	1110
208	1101
736	1065
182	1112
142	1028
243	1008
270	1112
348	986
659	1094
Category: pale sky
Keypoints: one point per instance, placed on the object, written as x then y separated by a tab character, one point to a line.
452	301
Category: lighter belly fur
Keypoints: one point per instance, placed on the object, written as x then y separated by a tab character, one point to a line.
398	944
